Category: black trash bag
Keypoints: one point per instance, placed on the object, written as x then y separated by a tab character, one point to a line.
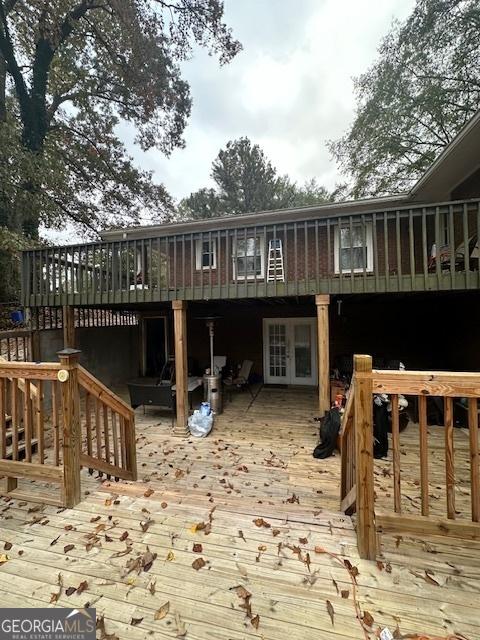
380	430
329	430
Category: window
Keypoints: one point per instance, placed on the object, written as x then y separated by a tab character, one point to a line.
249	258
206	254
353	249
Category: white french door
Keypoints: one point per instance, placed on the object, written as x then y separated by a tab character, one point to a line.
289	351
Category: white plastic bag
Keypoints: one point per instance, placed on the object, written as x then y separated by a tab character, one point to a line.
200	425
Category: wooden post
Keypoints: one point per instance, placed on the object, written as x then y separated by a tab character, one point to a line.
71	425
68	327
363	423
322	302
181	368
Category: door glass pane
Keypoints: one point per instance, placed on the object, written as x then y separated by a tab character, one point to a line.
303	350
277	350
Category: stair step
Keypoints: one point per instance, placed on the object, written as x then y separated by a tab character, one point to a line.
21	450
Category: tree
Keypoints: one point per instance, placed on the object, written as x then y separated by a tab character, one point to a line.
415	98
246	181
71	71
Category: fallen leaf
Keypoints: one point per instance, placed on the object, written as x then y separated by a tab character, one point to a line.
68	548
135	621
82	587
260	522
162	612
146	524
7	546
152	587
367	618
275	532
331	611
70	591
170	556
197	548
164	505
241	592
100	626
198	564
303	540
240	535
124	536
344	593
181	628
255	621
54	541
149	492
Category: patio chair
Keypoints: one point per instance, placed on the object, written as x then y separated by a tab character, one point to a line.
443	256
241	381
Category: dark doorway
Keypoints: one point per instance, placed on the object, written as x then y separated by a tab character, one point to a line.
155	345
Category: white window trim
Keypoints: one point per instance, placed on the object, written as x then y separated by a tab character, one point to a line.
199	254
369	241
253	276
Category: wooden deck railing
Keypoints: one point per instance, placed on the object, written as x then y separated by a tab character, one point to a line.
419	386
432	247
108	430
45	430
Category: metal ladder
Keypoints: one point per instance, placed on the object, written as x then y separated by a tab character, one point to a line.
275	261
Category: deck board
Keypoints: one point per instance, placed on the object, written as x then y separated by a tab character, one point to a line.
257	463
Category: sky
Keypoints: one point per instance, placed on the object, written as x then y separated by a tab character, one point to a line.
290	90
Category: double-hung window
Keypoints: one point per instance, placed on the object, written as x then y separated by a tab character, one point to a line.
206	254
353	248
249	257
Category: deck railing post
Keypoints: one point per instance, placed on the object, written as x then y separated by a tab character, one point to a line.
181	369
68	322
323	339
68	377
363	423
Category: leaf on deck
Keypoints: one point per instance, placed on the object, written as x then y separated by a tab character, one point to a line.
198	564
255	621
100	626
66	548
181	629
260	522
82	587
162	612
152	587
331	611
367	619
197	548
149	492
146	524
135	621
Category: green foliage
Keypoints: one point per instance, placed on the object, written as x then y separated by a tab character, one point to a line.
424	87
246	181
71	72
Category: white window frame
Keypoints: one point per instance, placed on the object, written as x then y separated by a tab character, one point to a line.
260	238
199	253
369	247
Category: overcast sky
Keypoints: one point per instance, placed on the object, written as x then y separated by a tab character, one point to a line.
289	90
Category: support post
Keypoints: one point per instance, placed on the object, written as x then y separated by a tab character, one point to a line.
323	341
181	368
363	424
71	425
31	317
68	327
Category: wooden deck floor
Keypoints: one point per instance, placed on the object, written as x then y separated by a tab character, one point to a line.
231	537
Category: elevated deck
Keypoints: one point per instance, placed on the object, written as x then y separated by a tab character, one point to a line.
267	506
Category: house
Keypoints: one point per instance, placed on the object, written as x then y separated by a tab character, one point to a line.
296	291
245	532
